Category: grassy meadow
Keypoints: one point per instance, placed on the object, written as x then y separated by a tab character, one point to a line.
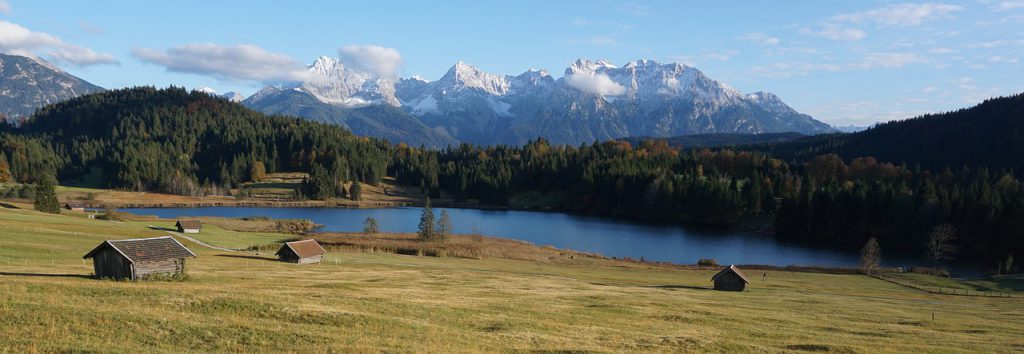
364	301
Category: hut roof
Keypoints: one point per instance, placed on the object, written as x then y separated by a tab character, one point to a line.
732	269
190	224
74	205
146	249
305	248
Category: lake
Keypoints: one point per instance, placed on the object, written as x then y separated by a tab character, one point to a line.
610	237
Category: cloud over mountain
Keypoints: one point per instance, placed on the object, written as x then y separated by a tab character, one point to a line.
230	63
595	83
15	39
376	59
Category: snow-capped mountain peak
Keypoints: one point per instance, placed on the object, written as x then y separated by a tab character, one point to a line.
595	100
233	96
334	83
465	76
588	66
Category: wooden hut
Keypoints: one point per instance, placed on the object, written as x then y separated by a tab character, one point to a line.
74	206
730	279
301	252
137	258
189	226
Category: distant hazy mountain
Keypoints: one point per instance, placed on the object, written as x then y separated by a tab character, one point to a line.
850	128
27	84
233	96
382	121
593	101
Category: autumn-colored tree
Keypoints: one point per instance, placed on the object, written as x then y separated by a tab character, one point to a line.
258	171
5	170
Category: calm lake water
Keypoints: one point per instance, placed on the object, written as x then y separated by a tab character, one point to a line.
617	238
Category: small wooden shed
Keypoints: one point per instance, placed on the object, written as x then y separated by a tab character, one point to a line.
301	252
74	206
189	226
137	258
730	279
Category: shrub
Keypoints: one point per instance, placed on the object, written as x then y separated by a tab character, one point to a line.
707	262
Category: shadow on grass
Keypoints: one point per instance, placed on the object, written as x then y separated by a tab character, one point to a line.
243	256
8	206
157	228
13	274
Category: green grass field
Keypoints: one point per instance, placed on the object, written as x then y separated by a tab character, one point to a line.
383	302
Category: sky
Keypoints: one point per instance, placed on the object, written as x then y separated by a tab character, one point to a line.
843	62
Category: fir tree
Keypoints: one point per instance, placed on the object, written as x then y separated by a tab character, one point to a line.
426	227
46	196
356	191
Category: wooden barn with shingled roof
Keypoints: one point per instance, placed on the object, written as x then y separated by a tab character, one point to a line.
730	279
189	226
301	252
138	258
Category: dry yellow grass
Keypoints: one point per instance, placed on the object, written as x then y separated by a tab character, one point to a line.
463	246
362	302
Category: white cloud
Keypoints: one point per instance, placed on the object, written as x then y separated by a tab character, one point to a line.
869	61
229	63
843	27
836	33
1008	5
595	83
380	60
19	40
900	14
760	38
5	7
889	60
941	51
706	56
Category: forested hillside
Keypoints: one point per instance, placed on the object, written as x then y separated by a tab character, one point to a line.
177	141
990	135
184	142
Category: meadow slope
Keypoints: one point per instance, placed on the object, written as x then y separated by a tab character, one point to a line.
385	302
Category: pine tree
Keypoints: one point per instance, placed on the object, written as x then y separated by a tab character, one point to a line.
356	191
46	196
321	185
444	226
426	227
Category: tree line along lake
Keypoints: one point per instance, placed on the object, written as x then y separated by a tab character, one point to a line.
609	237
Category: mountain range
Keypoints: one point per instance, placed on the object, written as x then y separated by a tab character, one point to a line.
592	101
27	84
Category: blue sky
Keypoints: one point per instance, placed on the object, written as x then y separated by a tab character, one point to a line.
842	62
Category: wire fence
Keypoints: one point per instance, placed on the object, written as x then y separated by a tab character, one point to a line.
941	290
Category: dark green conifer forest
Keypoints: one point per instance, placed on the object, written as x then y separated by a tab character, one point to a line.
894	183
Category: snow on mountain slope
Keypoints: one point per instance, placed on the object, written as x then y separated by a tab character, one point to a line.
593	100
